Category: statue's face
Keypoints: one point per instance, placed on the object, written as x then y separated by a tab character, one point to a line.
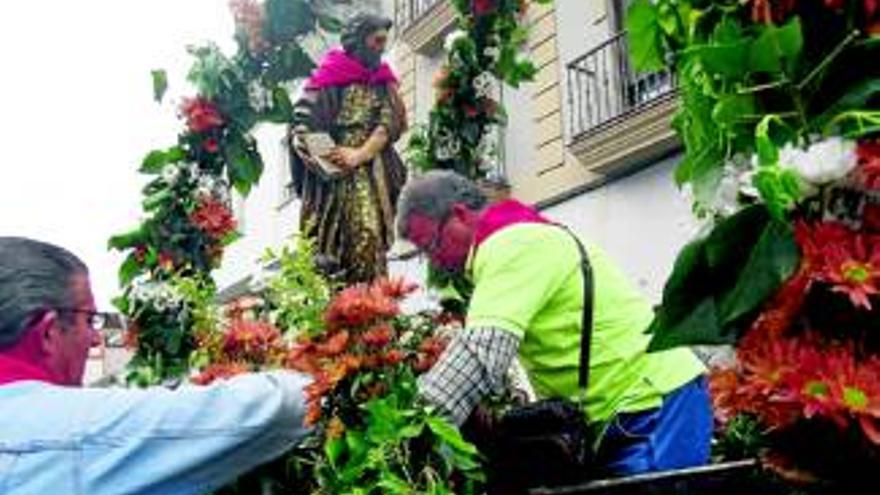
377	41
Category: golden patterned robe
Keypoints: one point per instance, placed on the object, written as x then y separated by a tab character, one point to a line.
351	218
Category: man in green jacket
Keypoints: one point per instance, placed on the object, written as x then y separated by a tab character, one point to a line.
528	299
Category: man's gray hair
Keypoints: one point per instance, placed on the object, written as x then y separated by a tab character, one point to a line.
34	276
432	195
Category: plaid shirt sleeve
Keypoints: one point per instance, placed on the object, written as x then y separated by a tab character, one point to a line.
474	366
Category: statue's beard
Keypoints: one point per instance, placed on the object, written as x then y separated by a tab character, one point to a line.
372	59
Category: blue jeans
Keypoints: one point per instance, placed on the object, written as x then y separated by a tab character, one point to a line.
676	435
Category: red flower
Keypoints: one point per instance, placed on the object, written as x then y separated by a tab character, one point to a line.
219	371
483	7
393	357
854	269
213	218
211	145
201	115
471	111
140	253
252	341
871	217
848	260
868	169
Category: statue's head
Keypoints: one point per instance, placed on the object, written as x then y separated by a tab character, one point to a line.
365	38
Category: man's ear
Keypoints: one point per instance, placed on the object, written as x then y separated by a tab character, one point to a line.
47	328
460	211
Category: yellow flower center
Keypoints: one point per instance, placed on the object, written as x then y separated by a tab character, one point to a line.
856	272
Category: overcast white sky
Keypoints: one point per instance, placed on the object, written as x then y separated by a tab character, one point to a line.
77	115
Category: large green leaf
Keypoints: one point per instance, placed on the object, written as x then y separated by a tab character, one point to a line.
643	31
720	281
772	261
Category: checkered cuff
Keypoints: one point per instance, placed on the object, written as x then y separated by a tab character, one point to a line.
474	366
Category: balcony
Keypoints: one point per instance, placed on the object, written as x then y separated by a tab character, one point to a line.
422	24
617	117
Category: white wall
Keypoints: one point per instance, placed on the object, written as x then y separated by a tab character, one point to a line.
642	221
268	221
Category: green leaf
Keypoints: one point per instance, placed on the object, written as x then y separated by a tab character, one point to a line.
287	19
244	164
699	327
777	47
768	153
333	449
772	261
157	199
857	97
129	239
643	32
156	160
128	270
732	109
160	84
450	435
728	59
329	23
720	280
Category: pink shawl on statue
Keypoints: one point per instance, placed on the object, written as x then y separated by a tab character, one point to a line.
338	68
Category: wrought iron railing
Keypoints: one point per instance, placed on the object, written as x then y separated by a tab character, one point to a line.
407	12
603	87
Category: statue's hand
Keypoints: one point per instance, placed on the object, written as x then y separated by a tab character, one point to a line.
348	158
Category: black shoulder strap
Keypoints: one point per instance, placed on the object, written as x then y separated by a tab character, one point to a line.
586	314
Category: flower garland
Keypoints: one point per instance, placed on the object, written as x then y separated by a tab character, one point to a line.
188	220
782	141
484	51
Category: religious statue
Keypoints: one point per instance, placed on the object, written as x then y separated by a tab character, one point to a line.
343	163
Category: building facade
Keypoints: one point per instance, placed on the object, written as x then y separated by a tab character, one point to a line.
589	141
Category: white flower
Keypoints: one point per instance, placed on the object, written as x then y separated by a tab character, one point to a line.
823	162
483	84
259	97
447	145
452	37
492	52
192	169
170	174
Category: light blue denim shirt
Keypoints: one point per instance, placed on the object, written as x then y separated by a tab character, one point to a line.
81	441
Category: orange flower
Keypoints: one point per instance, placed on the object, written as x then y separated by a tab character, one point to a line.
253	341
335	428
219	371
378	336
358	306
395	288
334	345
